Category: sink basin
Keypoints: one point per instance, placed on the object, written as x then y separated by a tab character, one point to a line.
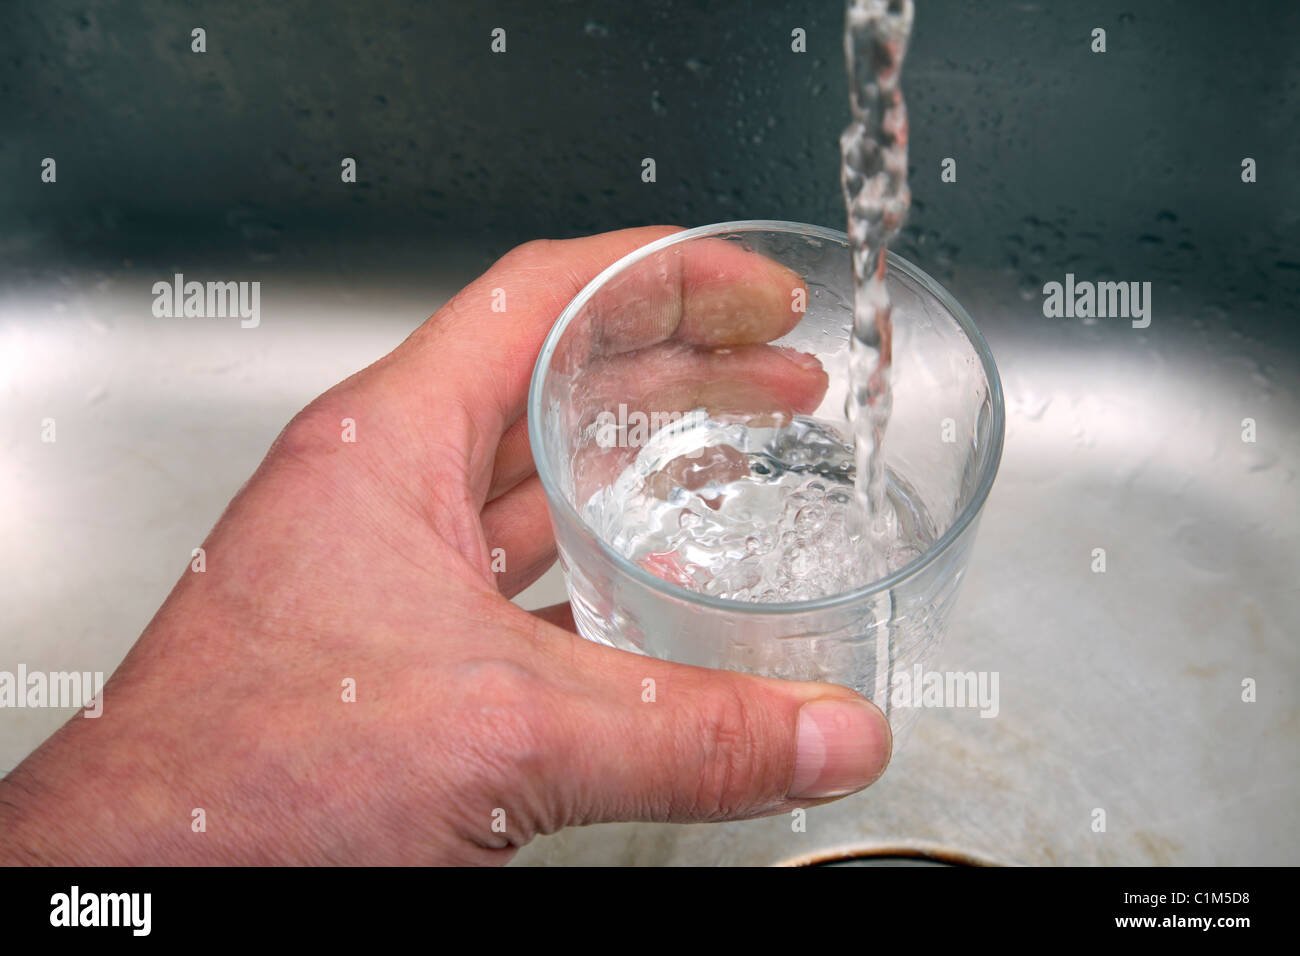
1120	691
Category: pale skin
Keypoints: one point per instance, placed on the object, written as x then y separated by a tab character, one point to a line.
370	561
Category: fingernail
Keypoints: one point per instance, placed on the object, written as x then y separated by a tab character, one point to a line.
843	745
809	363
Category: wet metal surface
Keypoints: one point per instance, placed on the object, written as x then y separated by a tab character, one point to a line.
1119	690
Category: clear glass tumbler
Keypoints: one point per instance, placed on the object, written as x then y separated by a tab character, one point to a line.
688	411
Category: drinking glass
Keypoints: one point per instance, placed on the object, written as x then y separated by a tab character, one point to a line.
744	327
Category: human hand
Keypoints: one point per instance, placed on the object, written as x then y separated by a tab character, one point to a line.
369	562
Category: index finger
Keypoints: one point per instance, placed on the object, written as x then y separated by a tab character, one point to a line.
711	293
478	351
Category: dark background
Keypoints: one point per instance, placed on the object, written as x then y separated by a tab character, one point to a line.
1124	164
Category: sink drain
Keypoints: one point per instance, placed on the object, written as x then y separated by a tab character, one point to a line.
890	856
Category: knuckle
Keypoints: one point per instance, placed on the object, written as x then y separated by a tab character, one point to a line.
313	434
506	721
529	257
529	254
504	748
731	754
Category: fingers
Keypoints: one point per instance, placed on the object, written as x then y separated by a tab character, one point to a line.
483	343
663	382
514	460
748	379
521	543
658	385
642	739
710	293
477	352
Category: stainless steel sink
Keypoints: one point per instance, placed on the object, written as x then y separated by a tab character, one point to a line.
1119	690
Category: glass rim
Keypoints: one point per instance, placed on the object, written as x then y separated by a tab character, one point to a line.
556	499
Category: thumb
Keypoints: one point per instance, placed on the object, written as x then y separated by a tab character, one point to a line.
653	740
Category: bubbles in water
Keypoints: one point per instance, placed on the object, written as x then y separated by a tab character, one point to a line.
785	528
